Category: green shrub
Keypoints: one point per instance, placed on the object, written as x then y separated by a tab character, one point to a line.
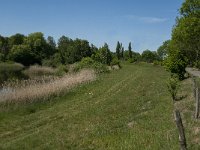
115	61
173	86
131	60
156	62
54	61
11	71
2	58
197	64
103	55
23	54
176	64
100	68
88	62
61	70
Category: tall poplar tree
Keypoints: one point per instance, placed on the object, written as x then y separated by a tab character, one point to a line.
130	50
118	50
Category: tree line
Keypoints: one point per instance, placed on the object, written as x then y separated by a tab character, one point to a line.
36	49
183	49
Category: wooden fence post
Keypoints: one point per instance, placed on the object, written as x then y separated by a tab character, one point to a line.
194	86
197	103
179	124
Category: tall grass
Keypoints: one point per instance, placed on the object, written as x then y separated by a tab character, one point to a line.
36	70
31	90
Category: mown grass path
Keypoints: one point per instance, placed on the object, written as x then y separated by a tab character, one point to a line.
125	109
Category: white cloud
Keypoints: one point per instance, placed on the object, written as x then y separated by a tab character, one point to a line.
147	19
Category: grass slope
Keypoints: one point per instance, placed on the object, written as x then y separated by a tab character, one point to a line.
187	108
126	109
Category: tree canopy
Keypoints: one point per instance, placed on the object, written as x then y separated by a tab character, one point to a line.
184	47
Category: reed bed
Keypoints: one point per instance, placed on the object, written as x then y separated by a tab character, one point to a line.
31	90
36	70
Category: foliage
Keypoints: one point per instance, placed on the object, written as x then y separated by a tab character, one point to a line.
10	71
197	64
135	56
156	62
185	35
163	50
149	56
22	54
2	58
4	48
190	7
72	51
173	86
61	70
50	47
115	61
130	50
93	49
119	51
103	55
53	61
118	48
176	64
131	60
17	39
51	42
122	53
90	63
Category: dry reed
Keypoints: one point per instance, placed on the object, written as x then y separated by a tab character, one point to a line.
30	91
34	71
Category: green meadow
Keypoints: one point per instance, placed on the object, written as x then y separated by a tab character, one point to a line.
128	108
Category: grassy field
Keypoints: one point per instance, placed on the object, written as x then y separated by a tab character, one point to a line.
125	109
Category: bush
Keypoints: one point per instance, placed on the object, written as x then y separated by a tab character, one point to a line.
103	55
156	63
61	70
173	86
88	62
2	58
149	56
54	61
100	68
11	71
22	54
131	60
176	64
115	61
197	64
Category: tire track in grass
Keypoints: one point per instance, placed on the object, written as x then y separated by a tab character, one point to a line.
51	119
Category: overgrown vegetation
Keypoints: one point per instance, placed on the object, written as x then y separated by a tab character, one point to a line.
126	109
183	49
10	71
90	63
173	86
32	90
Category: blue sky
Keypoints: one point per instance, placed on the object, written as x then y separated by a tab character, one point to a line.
145	23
